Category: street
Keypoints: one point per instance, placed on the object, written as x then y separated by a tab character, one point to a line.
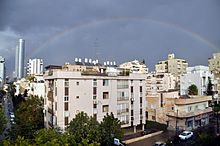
151	140
8	107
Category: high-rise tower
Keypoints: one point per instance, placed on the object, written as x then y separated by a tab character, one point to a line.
2	70
19	59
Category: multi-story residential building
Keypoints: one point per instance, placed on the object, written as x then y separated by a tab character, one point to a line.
214	63
35	67
95	90
172	65
199	76
135	66
190	112
36	87
158	105
182	113
2	70
19	59
158	82
214	67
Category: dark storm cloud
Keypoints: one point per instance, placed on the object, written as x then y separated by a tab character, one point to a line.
123	27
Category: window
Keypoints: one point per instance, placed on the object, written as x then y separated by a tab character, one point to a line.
105	83
77	97
66	83
105	95
132	112
189	108
140	111
95	116
140	88
77	83
55	91
66	91
94	105
55	105
66	98
94	82
66	108
105	108
132	89
66	119
122	84
140	99
94	90
94	97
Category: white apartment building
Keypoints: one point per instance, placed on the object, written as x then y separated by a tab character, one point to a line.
158	82
135	66
35	67
95	92
197	75
2	70
172	65
37	88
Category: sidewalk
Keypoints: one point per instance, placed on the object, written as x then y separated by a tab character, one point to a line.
142	137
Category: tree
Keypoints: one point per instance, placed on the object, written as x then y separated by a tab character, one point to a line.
2	120
84	127
29	117
193	90
110	129
209	88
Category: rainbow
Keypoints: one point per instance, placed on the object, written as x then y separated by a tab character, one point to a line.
118	19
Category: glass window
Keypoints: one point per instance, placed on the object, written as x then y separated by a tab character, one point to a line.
66	106
66	91
77	83
105	83
66	98
94	90
105	95
66	119
105	108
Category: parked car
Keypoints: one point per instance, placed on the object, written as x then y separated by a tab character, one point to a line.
12	115
159	143
185	135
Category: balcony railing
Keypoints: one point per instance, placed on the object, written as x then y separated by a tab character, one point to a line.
123	111
123	98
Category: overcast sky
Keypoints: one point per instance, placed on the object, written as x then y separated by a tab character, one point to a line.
120	30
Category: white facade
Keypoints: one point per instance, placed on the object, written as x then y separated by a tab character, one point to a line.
35	67
199	76
70	92
2	70
135	66
37	87
158	82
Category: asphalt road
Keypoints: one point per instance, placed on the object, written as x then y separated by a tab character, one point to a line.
163	137
8	107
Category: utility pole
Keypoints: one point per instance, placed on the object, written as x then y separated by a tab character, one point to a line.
176	121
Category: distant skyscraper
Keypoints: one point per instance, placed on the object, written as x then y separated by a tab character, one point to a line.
2	70
35	67
19	59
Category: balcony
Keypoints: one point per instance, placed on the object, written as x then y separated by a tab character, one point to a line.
190	114
122	98
122	111
50	95
50	111
192	100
